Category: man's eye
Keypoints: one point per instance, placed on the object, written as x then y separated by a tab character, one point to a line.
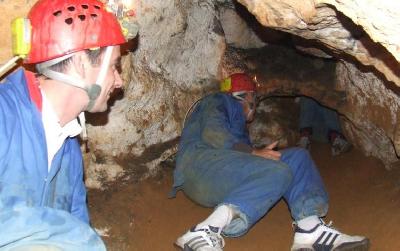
118	67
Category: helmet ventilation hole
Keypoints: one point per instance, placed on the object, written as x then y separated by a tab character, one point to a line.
71	8
69	21
85	6
94	16
82	17
57	13
97	7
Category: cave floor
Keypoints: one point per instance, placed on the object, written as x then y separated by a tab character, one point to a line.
364	200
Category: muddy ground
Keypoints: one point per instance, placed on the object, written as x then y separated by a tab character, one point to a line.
365	200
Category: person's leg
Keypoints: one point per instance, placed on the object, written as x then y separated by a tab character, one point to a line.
306	194
331	119
308	114
251	184
339	143
308	110
308	201
245	184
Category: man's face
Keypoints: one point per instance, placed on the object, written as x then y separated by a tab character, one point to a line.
249	105
111	81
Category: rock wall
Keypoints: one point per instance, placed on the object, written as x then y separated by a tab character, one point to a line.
371	113
177	61
367	33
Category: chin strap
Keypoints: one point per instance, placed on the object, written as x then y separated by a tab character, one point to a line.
239	96
82	121
95	89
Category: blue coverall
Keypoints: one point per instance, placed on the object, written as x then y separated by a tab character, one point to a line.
211	172
322	120
38	207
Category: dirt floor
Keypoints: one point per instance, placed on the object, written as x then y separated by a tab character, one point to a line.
365	200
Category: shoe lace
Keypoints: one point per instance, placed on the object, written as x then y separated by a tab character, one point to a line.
329	225
216	240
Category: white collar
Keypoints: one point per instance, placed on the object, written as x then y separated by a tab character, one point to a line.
55	133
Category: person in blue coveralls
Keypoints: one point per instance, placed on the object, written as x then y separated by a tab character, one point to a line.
216	166
75	45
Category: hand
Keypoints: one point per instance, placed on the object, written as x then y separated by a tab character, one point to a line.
268	152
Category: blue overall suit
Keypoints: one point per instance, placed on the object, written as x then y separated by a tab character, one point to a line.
37	207
211	172
322	120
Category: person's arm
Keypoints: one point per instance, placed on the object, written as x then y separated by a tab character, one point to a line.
268	152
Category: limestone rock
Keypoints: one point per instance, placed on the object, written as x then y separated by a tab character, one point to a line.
181	44
322	22
237	33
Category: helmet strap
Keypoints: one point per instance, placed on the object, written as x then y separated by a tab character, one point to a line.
95	89
93	92
239	96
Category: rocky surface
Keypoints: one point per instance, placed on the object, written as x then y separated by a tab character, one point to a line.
364	30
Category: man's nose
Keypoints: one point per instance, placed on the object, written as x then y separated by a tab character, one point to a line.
118	80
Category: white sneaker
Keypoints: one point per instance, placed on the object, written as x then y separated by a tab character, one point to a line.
204	239
323	237
304	142
339	146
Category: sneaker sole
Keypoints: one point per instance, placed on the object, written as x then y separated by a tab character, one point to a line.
355	246
185	247
345	150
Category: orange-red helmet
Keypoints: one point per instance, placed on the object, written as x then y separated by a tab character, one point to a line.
61	27
238	82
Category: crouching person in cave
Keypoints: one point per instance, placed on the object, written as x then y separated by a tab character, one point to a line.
216	166
75	45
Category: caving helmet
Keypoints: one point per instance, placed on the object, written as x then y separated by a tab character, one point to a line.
61	27
238	85
238	82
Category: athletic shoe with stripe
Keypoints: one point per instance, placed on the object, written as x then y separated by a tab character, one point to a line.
304	142
205	239
339	146
323	237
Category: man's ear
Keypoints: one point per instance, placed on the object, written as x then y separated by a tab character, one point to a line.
79	63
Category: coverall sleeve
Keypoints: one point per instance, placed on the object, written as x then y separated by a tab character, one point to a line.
79	205
215	126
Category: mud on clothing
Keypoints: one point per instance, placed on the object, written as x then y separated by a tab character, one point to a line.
211	172
38	207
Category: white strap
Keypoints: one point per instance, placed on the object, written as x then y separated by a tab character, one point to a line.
82	121
104	66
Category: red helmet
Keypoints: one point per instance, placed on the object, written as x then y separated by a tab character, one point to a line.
60	27
238	82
